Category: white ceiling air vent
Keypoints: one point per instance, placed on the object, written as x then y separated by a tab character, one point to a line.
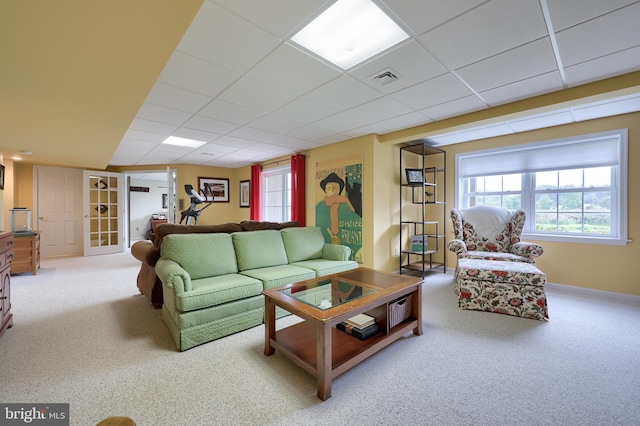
385	77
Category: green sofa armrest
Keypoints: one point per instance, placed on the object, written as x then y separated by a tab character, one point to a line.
335	252
173	276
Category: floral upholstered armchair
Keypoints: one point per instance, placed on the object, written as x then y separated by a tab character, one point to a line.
491	233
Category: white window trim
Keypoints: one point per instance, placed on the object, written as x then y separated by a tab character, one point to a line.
621	182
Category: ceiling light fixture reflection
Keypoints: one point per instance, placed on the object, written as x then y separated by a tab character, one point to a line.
349	32
189	143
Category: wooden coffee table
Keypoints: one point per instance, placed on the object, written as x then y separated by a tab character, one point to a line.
315	345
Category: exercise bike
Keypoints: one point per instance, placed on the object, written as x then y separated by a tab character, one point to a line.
205	196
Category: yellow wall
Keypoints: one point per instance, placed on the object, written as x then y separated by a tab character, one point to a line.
595	266
601	267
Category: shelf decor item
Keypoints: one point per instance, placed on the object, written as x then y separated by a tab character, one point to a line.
419	243
414	176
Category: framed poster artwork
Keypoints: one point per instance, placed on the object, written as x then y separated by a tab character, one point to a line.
219	189
245	193
1	176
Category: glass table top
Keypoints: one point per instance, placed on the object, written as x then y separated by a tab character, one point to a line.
328	293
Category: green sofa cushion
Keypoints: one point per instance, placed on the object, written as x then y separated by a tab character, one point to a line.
275	276
259	249
201	255
324	267
303	243
218	290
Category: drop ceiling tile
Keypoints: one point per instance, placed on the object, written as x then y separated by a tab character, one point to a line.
303	110
405	121
421	16
610	33
366	130
343	93
617	63
538	85
514	65
566	13
162	114
255	95
251	133
433	92
152	126
452	108
491	28
292	142
143	136
309	133
279	17
210	125
194	74
195	134
227	111
224	39
292	70
379	109
274	150
176	98
410	61
134	147
340	123
275	124
539	121
234	142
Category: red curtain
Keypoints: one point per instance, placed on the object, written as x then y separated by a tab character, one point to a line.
255	205
298	199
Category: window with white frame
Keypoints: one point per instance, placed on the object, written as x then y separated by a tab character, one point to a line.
572	189
276	194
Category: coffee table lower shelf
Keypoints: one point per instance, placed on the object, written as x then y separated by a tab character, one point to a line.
298	343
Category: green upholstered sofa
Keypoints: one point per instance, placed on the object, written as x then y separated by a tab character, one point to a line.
212	283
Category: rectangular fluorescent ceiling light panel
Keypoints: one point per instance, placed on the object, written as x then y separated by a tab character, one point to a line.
350	32
189	143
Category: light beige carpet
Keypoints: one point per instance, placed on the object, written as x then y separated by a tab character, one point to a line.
84	336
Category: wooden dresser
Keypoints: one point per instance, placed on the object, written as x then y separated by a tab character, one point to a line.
26	252
6	256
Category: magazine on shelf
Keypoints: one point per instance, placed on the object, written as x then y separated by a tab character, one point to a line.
361	320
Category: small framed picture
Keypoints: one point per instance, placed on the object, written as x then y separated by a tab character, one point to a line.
1	176
164	201
215	189
414	176
245	193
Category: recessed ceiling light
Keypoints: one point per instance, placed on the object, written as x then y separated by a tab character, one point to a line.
190	143
349	32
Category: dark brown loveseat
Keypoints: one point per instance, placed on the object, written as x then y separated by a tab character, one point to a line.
148	252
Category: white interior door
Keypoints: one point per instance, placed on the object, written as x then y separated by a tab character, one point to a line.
103	212
59	211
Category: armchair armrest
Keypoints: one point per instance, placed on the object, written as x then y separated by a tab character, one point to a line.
457	246
335	252
528	250
173	276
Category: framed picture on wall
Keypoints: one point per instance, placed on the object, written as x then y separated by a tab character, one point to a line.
245	193
1	176
219	188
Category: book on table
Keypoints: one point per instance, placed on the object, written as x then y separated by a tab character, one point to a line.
361	321
360	333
